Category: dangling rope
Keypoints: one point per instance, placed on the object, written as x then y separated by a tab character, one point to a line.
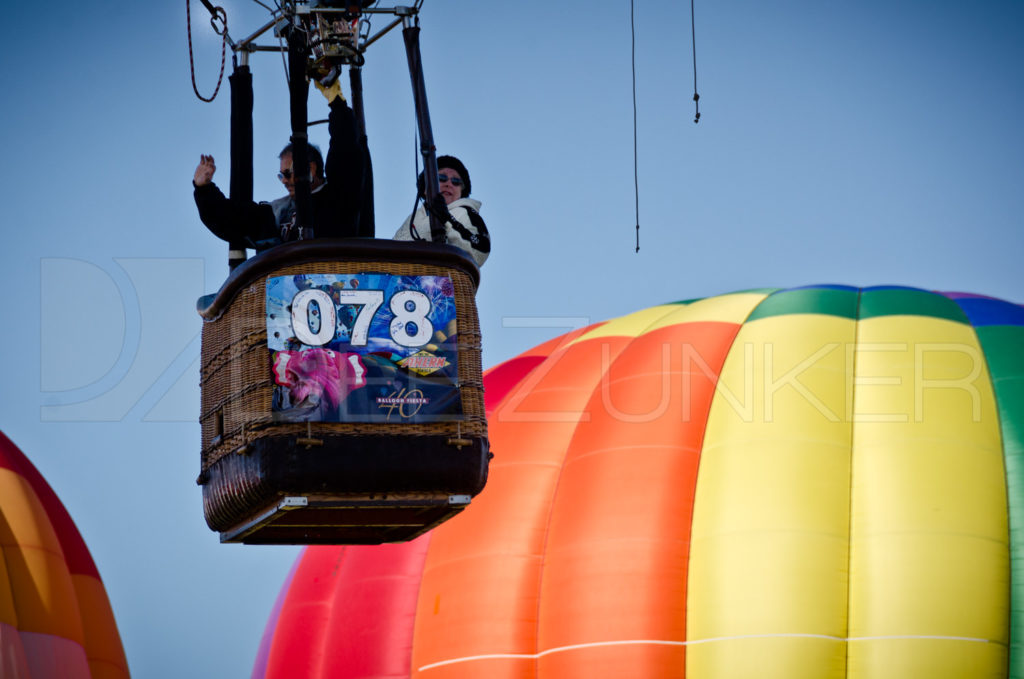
693	39
215	14
636	180
416	166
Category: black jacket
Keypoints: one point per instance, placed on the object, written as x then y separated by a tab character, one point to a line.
336	204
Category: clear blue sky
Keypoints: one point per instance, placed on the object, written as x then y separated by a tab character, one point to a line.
858	143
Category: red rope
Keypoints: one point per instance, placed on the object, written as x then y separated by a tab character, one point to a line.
219	13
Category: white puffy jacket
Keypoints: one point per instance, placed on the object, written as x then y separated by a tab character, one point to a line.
467	232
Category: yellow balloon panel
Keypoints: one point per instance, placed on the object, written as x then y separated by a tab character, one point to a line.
771	522
43	596
774	656
43	593
24	519
905	657
929	510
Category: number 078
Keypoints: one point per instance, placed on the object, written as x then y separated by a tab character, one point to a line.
410	326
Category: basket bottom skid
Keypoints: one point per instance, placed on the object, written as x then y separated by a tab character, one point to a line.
341	489
332	520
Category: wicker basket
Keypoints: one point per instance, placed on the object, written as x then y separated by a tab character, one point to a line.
250	462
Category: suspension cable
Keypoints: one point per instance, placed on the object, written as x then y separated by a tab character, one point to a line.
216	13
416	166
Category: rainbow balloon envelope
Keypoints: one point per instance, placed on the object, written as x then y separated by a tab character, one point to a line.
807	483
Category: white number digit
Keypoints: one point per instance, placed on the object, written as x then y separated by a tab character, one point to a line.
411	308
409	328
300	318
371	301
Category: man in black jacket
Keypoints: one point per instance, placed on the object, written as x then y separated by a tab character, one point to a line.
336	197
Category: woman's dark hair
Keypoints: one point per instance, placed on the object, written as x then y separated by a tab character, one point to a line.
452	163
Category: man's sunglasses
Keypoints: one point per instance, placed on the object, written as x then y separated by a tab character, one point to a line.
285	174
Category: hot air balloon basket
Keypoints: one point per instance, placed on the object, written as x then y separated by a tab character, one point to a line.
270	425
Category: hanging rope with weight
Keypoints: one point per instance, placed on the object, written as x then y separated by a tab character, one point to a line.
636	179
693	38
696	102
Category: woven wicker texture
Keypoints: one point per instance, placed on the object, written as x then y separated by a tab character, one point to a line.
236	381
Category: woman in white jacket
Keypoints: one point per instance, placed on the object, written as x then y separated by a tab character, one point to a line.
464	227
